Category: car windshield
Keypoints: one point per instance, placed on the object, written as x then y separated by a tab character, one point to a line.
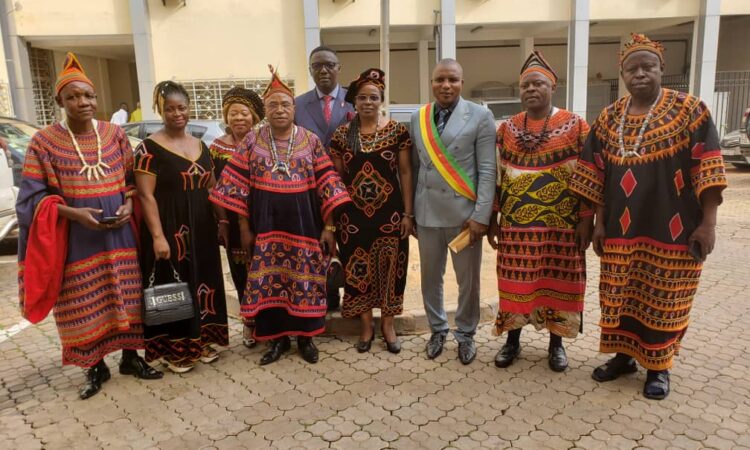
18	135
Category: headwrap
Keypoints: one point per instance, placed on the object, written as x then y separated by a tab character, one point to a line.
72	71
276	85
245	97
373	76
536	63
640	42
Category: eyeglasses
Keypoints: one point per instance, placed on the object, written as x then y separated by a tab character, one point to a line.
330	66
364	98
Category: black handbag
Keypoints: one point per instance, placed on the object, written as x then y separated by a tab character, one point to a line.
167	303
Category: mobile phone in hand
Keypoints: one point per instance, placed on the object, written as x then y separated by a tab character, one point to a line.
108	220
696	251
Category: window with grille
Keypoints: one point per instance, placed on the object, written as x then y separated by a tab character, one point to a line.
6	105
205	95
42	81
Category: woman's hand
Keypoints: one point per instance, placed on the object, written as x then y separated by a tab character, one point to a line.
493	233
247	240
223	234
597	238
328	243
161	248
87	217
583	234
123	212
407	227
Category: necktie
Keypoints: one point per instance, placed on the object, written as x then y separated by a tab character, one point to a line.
442	120
327	108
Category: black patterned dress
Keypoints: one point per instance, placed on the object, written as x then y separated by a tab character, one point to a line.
188	223
369	229
651	207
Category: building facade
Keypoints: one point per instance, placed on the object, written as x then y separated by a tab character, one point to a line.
126	46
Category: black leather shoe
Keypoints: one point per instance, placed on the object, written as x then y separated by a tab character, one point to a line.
467	351
614	369
507	354
95	377
435	345
558	360
307	349
364	346
278	347
139	368
657	384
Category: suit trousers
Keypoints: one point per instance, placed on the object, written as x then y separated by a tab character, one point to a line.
433	249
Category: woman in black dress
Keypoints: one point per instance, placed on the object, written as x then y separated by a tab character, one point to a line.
173	174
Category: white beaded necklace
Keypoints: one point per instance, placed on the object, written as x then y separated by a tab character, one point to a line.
282	166
90	170
621	129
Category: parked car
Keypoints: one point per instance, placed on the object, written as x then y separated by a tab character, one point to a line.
205	130
8	194
502	108
735	148
17	134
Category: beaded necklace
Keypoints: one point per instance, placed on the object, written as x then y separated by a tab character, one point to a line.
530	141
636	151
91	170
376	140
278	165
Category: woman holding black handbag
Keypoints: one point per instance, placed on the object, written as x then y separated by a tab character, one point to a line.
173	174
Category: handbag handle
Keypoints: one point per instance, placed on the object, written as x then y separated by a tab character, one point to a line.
152	278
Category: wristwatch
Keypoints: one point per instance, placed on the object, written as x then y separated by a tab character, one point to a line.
331	228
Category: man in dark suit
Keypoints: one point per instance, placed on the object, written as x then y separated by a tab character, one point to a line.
323	109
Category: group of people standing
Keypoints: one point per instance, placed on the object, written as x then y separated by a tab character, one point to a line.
295	182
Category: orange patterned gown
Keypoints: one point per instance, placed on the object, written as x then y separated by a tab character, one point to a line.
651	207
540	273
98	310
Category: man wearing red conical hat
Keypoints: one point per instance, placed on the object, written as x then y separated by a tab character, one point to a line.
652	169
285	190
540	239
76	251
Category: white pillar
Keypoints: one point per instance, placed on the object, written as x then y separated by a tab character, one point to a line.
424	72
447	29
144	56
705	50
312	31
578	57
385	49
527	46
19	68
621	89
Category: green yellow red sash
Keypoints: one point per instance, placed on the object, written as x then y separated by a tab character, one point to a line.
453	174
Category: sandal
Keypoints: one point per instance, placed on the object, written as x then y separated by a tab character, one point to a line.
209	355
179	366
247	336
657	384
614	369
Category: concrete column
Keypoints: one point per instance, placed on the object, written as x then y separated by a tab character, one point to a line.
447	29
424	72
578	57
312	31
385	48
527	46
144	55
705	50
19	69
621	89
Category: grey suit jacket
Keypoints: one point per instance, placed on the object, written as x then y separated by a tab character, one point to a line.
469	136
309	114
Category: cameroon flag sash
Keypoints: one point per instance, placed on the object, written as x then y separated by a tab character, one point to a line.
453	174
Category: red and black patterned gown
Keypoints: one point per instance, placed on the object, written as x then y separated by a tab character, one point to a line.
98	310
188	223
651	207
285	291
369	230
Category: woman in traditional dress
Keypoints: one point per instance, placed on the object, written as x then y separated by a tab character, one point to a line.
285	190
174	172
541	271
76	249
653	169
373	156
242	109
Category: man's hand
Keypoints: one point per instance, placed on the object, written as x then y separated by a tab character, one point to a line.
597	238
705	235
583	234
476	230
123	212
247	240
493	234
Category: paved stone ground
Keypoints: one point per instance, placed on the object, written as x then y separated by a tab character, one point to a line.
379	400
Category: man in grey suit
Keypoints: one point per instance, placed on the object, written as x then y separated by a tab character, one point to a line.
323	109
467	134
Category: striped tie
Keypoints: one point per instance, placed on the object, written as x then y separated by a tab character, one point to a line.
442	120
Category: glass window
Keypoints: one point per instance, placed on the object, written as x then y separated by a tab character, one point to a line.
151	128
197	130
131	130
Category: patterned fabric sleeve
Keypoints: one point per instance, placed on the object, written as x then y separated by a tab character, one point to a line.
127	162
706	163
588	179
331	189
585	209
144	160
403	138
232	189
338	142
